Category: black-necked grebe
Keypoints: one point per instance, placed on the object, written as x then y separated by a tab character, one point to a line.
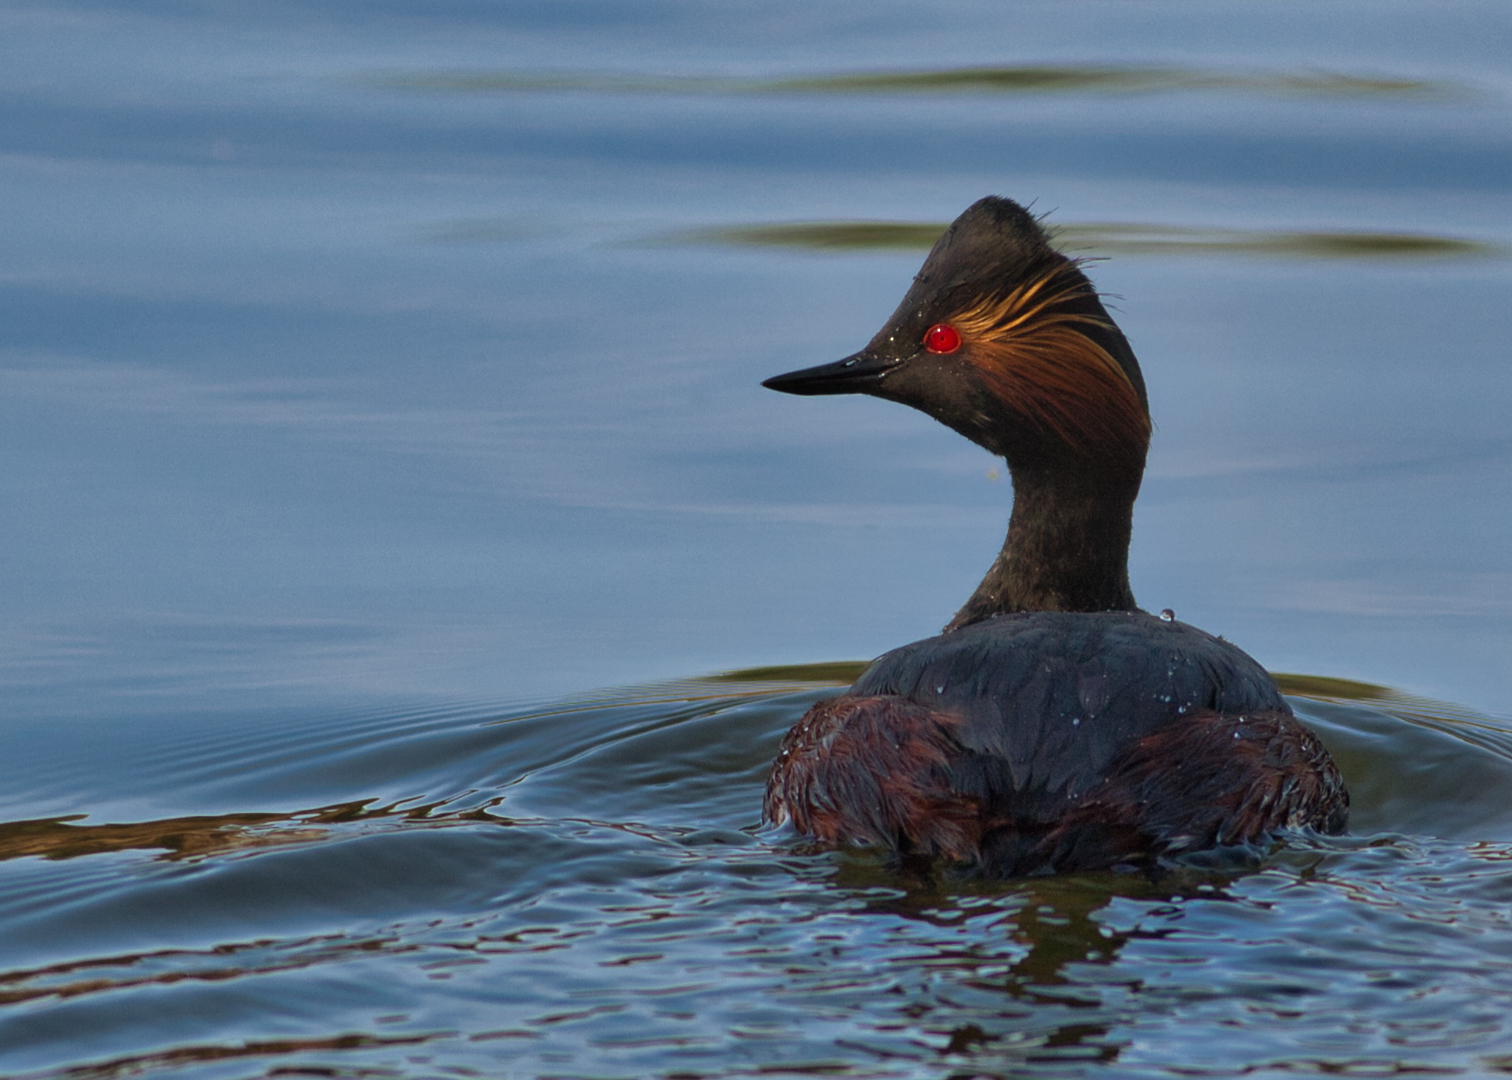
1053	726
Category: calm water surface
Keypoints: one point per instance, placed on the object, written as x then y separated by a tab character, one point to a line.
377	382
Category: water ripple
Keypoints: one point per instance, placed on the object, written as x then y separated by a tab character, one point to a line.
581	887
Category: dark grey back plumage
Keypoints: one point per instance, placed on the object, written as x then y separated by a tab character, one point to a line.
1058	695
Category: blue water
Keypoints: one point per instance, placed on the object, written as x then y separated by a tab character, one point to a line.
371	376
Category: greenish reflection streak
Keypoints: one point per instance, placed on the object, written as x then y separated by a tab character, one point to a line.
1050	79
1107	238
839	672
1023	79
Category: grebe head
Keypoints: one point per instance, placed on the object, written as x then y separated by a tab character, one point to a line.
1004	339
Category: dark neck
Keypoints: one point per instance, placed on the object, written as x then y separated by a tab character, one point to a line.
1067	548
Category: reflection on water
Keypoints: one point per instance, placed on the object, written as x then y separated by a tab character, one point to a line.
200	836
1083	238
1027	79
606	903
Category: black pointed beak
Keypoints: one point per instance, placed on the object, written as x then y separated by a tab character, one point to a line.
858	374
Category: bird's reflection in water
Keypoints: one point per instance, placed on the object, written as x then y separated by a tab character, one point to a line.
1033	962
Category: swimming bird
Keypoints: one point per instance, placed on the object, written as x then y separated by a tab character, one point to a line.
1053	726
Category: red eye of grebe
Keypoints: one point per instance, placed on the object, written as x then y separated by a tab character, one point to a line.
942	338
